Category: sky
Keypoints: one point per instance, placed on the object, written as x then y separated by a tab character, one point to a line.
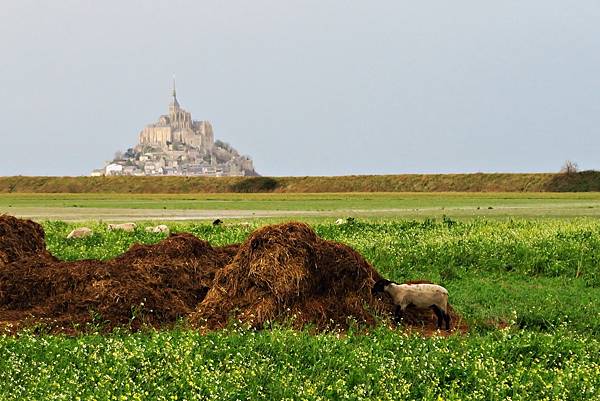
306	87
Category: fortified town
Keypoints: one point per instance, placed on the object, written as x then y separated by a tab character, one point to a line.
178	145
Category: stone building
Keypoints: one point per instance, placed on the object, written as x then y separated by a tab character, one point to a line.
177	127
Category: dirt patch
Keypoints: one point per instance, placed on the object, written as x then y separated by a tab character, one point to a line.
282	273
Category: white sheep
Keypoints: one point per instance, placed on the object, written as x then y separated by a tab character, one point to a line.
340	221
129	227
420	295
161	228
80	232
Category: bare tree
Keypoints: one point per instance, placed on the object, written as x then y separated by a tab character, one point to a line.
569	167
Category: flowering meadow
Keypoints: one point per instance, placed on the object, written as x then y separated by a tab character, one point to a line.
283	364
527	289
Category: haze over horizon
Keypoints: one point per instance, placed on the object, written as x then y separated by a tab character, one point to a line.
306	88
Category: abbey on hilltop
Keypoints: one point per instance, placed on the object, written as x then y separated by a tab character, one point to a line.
178	145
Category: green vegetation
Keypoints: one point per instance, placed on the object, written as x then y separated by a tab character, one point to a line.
330	201
478	182
283	364
528	289
255	184
203	206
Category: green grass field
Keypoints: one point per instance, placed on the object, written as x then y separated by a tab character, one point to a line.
528	288
282	364
80	207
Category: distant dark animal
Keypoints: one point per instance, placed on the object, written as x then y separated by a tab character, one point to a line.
217	222
420	295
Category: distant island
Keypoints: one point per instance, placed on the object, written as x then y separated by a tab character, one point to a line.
176	145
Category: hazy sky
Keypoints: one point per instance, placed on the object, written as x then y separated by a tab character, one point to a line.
306	87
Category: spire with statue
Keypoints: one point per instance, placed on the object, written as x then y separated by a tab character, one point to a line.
174	104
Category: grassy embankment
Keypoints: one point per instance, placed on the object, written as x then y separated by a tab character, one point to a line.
537	279
478	182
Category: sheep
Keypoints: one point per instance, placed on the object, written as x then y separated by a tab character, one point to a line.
129	227
217	222
80	232
420	295
347	220
161	228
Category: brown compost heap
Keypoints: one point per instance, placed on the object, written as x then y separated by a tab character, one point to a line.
282	273
20	239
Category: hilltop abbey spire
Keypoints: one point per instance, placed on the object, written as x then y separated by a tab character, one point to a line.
177	126
174	106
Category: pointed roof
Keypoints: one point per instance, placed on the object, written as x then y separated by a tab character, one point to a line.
174	103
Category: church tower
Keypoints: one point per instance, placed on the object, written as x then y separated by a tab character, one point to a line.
179	118
178	127
174	105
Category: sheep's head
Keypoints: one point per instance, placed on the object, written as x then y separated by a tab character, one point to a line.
380	286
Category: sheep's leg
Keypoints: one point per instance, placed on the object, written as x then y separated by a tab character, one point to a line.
398	314
439	314
447	318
